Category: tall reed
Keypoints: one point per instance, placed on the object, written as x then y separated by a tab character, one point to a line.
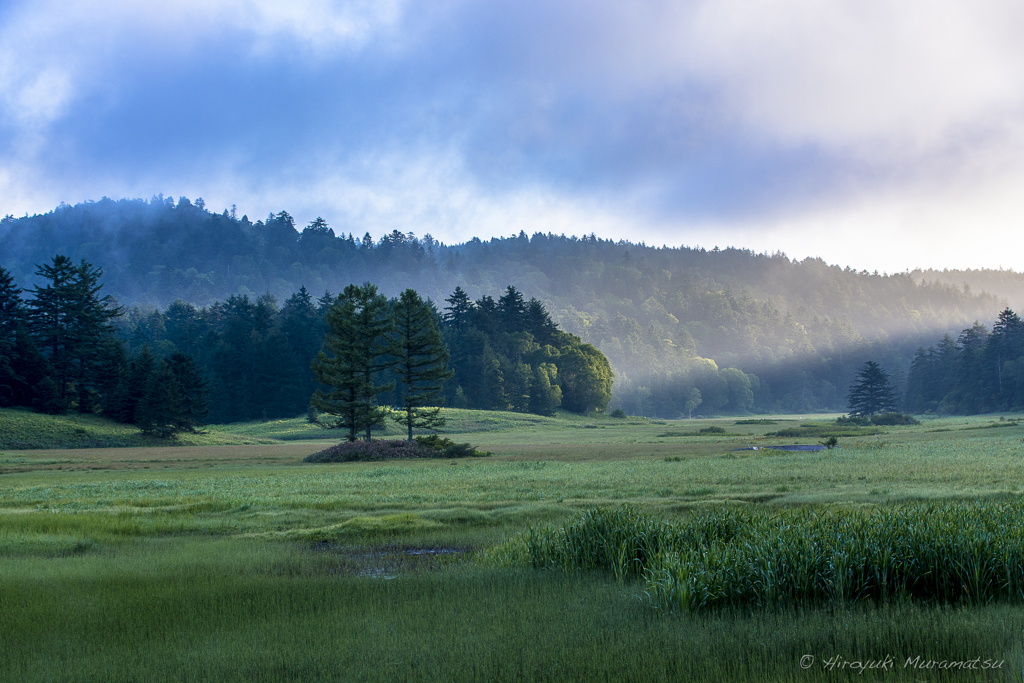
964	552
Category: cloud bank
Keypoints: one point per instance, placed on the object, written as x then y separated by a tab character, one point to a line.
873	134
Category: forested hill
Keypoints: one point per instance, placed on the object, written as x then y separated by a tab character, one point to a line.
801	328
1004	283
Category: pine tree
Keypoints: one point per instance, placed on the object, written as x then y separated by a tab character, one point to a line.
159	411
71	322
51	320
131	387
194	390
512	310
354	350
458	313
11	317
872	392
1006	343
421	363
538	322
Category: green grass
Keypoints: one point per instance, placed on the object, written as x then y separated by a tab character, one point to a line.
239	562
231	610
459	422
23	429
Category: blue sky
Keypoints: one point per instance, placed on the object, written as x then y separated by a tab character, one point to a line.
873	134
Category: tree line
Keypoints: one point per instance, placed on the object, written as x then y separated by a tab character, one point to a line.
796	330
246	359
59	350
980	371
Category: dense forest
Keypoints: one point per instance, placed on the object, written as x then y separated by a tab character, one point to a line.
686	331
65	346
980	371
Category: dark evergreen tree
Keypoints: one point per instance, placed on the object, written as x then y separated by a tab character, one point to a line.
52	323
132	387
459	310
872	392
303	328
193	391
1006	343
971	377
511	311
159	411
537	321
484	315
70	322
421	363
11	318
354	351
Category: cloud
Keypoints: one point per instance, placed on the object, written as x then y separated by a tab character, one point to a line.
747	120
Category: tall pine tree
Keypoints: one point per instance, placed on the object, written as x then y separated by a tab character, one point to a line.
355	349
872	392
421	363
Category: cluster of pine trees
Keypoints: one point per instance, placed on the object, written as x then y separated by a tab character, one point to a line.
506	354
59	350
980	371
369	336
510	355
66	347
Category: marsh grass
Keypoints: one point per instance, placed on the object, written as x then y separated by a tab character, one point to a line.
257	567
234	610
960	553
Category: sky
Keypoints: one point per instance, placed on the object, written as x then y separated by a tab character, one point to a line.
873	134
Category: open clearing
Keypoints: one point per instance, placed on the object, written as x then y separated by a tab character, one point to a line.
240	562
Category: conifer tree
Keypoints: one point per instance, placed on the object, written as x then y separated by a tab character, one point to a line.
159	411
11	312
872	392
458	313
70	321
421	363
354	350
538	322
512	310
193	389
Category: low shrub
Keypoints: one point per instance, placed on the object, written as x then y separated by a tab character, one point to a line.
619	413
442	447
432	446
892	419
817	431
706	431
381	449
879	419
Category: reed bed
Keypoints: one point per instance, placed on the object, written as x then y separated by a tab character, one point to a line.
956	553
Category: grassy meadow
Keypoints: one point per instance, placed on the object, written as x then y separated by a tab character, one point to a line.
222	556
